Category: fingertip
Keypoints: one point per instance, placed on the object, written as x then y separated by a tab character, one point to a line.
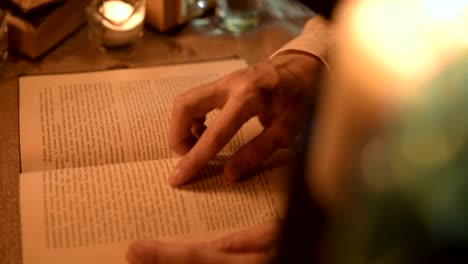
135	252
233	171
181	174
175	178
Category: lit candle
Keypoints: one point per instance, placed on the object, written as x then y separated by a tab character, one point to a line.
121	15
121	21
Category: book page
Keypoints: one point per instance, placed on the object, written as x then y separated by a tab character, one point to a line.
91	214
97	118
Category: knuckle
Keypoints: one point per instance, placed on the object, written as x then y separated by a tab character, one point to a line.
182	146
181	104
179	148
240	81
247	86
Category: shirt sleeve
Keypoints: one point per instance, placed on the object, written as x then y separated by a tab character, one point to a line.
314	39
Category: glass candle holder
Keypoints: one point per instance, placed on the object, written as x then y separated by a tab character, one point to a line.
239	15
116	23
3	36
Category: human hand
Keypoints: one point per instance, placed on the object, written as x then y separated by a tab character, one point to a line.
271	90
252	245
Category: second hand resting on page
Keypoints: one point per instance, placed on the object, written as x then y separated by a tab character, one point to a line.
271	90
254	245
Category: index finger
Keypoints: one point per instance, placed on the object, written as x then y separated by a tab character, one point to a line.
256	238
187	109
216	136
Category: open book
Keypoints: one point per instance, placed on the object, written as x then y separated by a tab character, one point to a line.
95	159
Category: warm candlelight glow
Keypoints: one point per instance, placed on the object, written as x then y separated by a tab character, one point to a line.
117	11
116	23
121	14
401	44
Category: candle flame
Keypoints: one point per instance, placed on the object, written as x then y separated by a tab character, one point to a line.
117	11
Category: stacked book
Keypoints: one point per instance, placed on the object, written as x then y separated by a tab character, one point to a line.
36	26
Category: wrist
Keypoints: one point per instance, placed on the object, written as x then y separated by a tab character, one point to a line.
297	68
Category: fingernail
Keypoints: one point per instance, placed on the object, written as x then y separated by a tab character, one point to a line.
174	178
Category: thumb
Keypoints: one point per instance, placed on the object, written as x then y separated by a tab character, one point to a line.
156	252
261	237
250	156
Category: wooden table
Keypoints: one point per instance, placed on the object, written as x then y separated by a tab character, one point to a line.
193	42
